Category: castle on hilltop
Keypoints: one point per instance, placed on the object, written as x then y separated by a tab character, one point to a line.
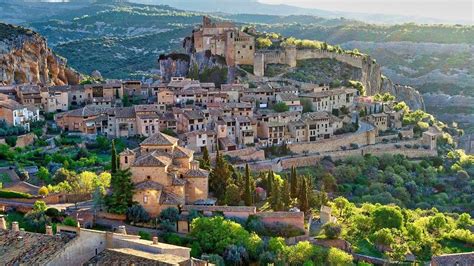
226	40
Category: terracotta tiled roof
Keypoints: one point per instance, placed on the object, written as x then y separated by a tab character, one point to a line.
197	173
152	159
159	139
181	152
171	199
148	184
26	248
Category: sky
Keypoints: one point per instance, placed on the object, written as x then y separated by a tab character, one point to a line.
442	9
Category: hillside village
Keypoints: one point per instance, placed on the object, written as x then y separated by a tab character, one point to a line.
165	162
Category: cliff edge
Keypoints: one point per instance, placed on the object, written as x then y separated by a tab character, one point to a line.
26	58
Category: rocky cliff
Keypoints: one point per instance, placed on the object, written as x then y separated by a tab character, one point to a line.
26	58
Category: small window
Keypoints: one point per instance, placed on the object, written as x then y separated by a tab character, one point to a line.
148	177
145	199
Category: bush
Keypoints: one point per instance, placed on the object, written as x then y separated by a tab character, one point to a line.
236	255
354	146
408	146
255	224
416	146
196	250
214	259
174	239
11	140
332	230
69	221
52	212
171	214
43	191
168	226
7	194
144	235
137	214
398	146
283	230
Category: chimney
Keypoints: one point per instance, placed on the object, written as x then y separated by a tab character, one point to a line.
3	223
121	230
15	227
155	240
49	230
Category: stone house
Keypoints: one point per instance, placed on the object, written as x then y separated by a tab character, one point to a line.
245	130
16	114
226	40
319	125
198	139
190	120
328	100
379	120
88	119
29	95
237	109
272	133
291	100
79	95
165	96
55	99
164	174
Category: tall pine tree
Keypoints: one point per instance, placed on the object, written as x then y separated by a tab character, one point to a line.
276	196
248	192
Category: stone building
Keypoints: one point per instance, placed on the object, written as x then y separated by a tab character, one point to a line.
226	40
16	114
164	174
328	100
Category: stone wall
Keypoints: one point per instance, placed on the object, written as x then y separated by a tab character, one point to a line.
245	154
335	143
377	150
295	219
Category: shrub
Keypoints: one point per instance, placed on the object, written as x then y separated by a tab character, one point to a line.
267	258
52	212
409	146
255	224
171	214
332	230
299	253
236	255
416	146
69	221
283	230
354	146
137	214
174	239
196	250
398	146
214	259
7	194
343	148
144	235
168	226
462	235
39	206
339	257
43	191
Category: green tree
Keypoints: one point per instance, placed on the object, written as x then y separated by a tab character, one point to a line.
387	217
43	191
281	107
303	196
248	193
122	192
276	202
215	234
285	195
294	182
337	257
39	206
269	182
115	159
232	195
44	175
205	162
332	230
219	178
299	253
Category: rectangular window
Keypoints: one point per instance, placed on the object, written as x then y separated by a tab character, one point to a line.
145	199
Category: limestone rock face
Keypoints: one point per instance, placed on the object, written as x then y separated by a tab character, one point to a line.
26	58
408	94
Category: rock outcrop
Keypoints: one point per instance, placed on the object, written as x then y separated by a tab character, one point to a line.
26	58
408	94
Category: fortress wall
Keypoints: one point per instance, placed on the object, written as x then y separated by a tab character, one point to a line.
355	61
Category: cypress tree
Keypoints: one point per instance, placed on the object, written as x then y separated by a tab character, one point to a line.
219	177
114	158
303	199
294	182
248	197
276	197
269	182
205	163
286	197
122	192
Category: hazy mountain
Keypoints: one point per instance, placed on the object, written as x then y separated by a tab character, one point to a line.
255	7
